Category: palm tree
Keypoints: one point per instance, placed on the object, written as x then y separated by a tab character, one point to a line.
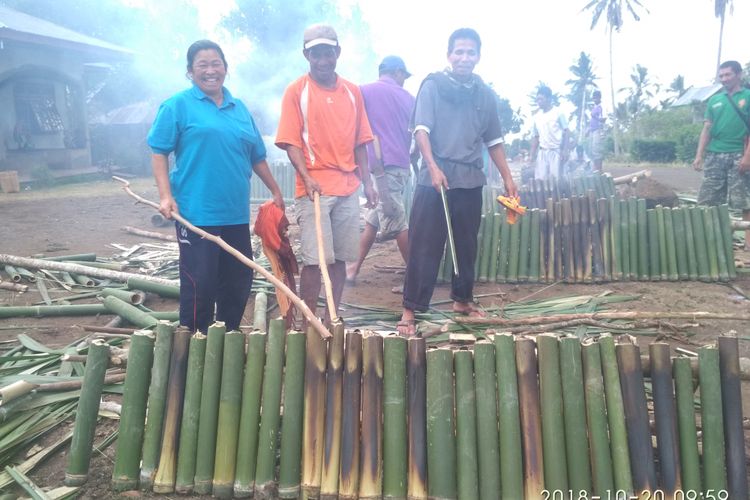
639	93
584	80
720	11
614	10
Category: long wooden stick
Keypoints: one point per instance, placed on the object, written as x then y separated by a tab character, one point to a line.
534	320
322	264
632	178
306	312
149	234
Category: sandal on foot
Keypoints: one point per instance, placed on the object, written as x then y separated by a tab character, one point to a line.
471	311
407	327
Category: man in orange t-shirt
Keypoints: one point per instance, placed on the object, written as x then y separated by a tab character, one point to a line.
324	130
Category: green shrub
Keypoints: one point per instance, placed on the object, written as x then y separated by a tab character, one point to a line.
654	151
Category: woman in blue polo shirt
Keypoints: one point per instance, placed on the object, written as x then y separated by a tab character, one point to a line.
217	147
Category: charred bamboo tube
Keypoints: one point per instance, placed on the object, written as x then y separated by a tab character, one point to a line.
684	388
170	291
329	485
586	239
721	256
574	410
291	424
394	418
130	297
127	457
230	398
605	238
486	248
614	214
692	258
701	250
165	478
534	244
712	415
314	423
731	397
259	312
558	242
247	441
209	414
349	473
77	470
466	429
157	396
664	414
488	449
597	255
371	447
511	465
524	249
625	239
672	272
531	425
641	220
416	374
713	257
441	439
725	225
632	232
502	256
268	433
497	224
601	458
636	417
578	239
654	261
678	221
567	241
130	313
549	252
188	448
514	251
553	421
663	250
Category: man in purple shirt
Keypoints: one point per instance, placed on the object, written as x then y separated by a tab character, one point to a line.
389	109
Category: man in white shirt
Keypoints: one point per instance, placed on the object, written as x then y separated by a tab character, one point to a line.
549	139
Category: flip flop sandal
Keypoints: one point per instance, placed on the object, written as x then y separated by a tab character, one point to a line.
407	328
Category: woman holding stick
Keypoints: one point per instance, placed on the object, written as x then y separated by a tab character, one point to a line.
217	146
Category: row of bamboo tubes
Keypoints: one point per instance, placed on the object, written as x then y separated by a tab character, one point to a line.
586	239
288	415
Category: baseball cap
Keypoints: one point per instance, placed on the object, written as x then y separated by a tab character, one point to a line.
319	34
392	63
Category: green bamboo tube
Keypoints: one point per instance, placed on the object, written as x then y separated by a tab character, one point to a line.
712	415
371	447
654	262
725	224
329	485
636	417
605	237
558	242
597	254
486	249
166	291
480	244
166	471
701	250
719	241
534	243
291	424
574	409
129	312
45	311
314	422
553	421
260	316
665	416
78	257
268	432
395	440
596	416
711	246
514	251
626	259
441	439
128	296
642	240
633	237
497	224
349	473
81	279
524	248
615	415
678	221
135	394
531	425
466	426
209	414
578	243
690	245
614	214
541	261
157	396
488	449
586	239
549	251
416	375
684	389
188	447
731	397
672	272
247	441
12	273
511	465
663	251
567	230
503	251
79	457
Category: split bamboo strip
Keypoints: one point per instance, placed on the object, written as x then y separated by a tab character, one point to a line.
291	424
371	447
725	223
712	415
710	234
188	447
672	272
654	260
441	439
701	251
692	259
135	393
504	250
596	416
567	230
416	375
395	439
665	416
467	478
641	221
605	238
230	399
349	474
614	215
497	225
79	457
329	485
314	423
553	421
534	245
524	248
511	465
157	396
531	425
514	251
488	443
209	414
247	441
731	397
626	260
268	432
684	389
663	250
260	317
719	242
678	221
130	313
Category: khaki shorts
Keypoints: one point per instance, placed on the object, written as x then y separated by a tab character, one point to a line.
390	226
339	220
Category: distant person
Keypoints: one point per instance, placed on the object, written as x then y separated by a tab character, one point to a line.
389	108
455	118
596	132
549	137
726	175
216	145
324	130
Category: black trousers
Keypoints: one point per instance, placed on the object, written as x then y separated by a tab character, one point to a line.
427	235
211	278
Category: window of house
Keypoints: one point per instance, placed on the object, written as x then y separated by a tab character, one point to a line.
36	111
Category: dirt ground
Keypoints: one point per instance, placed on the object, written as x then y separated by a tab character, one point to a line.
88	218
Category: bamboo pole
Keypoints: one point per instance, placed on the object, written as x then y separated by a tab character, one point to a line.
678	221
149	234
291	425
604	315
485	248
502	257
731	397
48	311
701	250
642	239
349	473
12	273
417	418
586	239
395	441
684	389
511	465
531	427
260	319
710	234
371	448
170	291
605	237
672	272
712	415
553	418
721	256
725	224
654	261
497	225
601	460
550	253
534	246
632	232
514	251
692	259
578	239
466	428
329	485
558	242
665	416
314	423
663	250
130	313
134	298
567	230
488	443
524	248
614	214
441	439
597	253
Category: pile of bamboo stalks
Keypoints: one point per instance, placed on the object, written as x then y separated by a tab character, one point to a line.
288	415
